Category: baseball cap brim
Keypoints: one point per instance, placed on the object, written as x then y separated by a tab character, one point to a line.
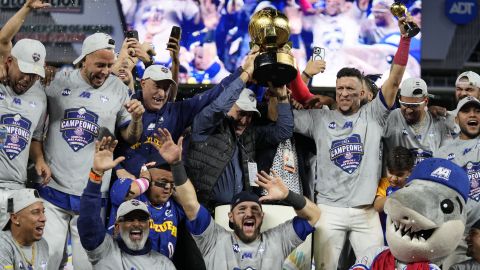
80	58
248	108
474	102
31	68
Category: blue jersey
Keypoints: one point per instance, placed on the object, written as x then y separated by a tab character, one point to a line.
164	219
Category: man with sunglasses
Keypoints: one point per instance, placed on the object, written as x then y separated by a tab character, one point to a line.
465	152
412	126
130	247
155	188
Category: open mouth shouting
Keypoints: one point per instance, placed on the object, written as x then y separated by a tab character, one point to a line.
136	234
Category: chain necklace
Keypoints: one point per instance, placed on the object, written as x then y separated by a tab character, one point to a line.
30	262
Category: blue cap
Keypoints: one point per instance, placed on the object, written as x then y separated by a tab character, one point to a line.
444	172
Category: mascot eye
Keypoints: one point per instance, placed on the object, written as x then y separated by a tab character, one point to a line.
447	206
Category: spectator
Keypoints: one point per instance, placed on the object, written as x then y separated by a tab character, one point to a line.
21	242
399	165
81	101
382	24
348	160
465	152
222	134
412	126
155	188
131	247
23	111
251	249
371	89
473	250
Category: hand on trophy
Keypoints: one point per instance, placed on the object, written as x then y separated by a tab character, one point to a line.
248	62
405	21
401	25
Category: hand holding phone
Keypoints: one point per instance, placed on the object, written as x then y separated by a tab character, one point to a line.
318	53
176	34
132	34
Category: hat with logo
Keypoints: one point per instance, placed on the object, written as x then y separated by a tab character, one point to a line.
384	5
30	55
444	172
247	101
95	42
158	73
473	78
130	206
466	100
21	199
413	87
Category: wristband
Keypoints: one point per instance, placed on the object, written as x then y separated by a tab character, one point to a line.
179	174
307	75
295	200
95	176
142	184
401	56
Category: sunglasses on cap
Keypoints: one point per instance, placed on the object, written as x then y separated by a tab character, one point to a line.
411	105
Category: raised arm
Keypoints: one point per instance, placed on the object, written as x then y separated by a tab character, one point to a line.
391	85
90	226
172	153
277	190
133	131
174	47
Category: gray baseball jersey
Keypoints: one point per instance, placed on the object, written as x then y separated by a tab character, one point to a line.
466	153
467	265
348	152
12	256
76	111
109	256
432	135
222	251
23	118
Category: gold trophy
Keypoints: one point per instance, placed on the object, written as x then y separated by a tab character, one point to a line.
399	10
268	29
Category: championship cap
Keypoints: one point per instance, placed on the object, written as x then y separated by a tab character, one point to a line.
130	206
473	78
158	73
30	55
466	100
95	42
247	101
413	87
444	172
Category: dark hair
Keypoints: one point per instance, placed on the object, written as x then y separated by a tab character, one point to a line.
400	159
370	80
349	72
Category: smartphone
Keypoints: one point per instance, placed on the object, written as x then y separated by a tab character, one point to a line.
176	33
132	34
318	53
104	132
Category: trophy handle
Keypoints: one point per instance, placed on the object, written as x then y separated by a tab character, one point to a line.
411	29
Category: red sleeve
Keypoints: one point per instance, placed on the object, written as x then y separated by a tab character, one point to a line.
305	5
300	91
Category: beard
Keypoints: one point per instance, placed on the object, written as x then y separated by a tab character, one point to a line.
246	239
134	244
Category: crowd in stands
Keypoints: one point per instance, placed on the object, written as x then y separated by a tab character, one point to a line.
135	179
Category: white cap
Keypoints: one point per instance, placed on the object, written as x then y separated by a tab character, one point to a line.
95	42
30	55
473	78
385	3
158	73
21	199
130	206
466	100
413	87
247	101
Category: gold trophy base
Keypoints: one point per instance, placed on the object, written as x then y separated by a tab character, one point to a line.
275	67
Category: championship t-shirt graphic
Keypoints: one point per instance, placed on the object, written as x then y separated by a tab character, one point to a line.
473	172
347	153
79	127
18	134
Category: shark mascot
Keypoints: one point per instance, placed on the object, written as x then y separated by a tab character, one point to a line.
425	219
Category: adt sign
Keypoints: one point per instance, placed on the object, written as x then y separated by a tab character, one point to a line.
461	11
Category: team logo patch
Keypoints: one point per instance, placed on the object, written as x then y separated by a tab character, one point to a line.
164	69
236	248
347	153
332	125
451	156
104	99
36	57
66	92
420	154
18	134
442	173
348	124
17	101
359	267
473	172
2	96
79	127
466	150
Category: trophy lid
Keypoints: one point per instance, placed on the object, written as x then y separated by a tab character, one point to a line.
398	9
265	19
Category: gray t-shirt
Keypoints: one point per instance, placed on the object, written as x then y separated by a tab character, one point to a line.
348	152
76	111
23	117
222	250
12	256
430	135
467	265
109	256
466	153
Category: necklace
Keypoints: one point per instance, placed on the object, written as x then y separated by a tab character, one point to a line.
19	247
